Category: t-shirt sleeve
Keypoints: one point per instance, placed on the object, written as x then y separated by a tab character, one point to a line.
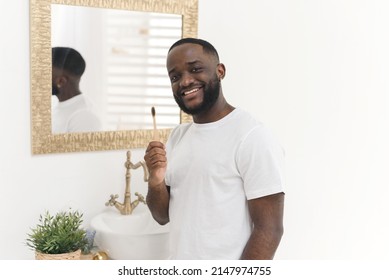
260	161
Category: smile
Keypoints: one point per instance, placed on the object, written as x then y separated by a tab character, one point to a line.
185	93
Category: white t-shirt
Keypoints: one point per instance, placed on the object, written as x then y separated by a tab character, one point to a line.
74	115
213	169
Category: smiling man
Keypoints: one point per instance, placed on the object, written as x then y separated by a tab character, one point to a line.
219	180
196	96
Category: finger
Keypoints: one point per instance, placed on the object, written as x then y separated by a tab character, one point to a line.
155	144
154	151
157	159
157	165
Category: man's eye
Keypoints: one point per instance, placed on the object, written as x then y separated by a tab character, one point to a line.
196	69
173	78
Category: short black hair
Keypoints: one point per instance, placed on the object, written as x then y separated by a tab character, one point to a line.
68	59
207	47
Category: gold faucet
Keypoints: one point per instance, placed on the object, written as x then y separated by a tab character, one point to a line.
127	206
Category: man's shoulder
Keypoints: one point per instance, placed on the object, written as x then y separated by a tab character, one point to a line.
180	129
246	121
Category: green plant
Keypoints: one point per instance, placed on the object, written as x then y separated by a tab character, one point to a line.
58	234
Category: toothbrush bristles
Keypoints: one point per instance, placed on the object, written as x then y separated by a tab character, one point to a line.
155	132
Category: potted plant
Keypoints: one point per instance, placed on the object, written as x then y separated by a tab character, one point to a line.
59	236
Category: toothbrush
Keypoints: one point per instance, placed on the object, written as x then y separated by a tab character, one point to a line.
155	135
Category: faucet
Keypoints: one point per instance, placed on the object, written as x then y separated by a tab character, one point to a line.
127	206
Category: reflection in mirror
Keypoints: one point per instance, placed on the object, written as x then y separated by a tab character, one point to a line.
117	78
125	71
73	111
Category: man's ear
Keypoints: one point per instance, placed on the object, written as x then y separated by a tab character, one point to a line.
62	80
221	71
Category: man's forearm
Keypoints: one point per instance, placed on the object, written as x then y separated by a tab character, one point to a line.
158	202
262	244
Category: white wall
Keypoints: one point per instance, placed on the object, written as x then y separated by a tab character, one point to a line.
314	71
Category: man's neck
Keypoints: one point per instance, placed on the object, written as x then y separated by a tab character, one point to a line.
67	95
215	113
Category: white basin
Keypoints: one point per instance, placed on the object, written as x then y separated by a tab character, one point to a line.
131	237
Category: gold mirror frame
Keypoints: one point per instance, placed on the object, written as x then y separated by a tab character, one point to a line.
43	140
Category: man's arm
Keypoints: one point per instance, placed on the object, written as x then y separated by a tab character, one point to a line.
158	202
267	216
158	193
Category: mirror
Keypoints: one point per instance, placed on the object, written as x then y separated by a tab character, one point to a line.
118	133
125	74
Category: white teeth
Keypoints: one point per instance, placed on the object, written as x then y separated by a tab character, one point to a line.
191	91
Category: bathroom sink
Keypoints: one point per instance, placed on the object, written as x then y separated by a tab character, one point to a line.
131	237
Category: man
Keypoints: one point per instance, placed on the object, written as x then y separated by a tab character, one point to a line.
74	112
219	179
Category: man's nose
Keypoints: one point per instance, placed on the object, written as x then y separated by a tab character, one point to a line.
186	80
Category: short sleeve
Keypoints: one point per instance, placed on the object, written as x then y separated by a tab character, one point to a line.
261	163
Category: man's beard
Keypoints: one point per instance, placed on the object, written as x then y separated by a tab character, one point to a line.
54	89
210	96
